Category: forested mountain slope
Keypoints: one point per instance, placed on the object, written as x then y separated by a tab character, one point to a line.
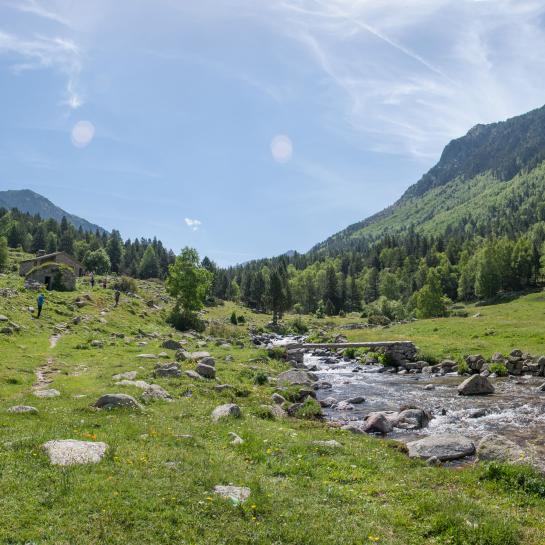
492	179
30	202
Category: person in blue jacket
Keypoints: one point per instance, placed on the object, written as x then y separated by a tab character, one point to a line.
41	301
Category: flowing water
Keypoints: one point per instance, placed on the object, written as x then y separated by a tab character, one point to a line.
516	410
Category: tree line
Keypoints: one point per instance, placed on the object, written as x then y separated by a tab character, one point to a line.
100	252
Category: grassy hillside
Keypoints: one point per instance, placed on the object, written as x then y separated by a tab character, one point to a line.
155	484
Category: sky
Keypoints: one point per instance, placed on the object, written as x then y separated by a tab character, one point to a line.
248	128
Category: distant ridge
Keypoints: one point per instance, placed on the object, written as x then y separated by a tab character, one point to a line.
33	203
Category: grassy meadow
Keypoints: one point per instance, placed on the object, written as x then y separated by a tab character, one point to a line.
155	484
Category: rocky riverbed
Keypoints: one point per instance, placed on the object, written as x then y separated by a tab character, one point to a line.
515	411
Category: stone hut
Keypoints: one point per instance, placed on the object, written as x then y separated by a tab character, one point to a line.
57	257
54	276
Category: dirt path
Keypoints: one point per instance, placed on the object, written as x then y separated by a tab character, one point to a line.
45	373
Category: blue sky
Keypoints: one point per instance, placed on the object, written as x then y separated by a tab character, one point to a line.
248	128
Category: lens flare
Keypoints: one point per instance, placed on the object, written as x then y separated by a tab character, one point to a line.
82	133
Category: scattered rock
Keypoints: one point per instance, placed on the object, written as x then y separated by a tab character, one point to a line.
167	370
129	375
206	371
328	402
328	444
377	423
344	406
97	344
67	452
147	356
357	400
295	377
476	385
50	392
497	447
154	392
413	419
447	446
113	401
193	374
237	494
429	387
199	355
235	439
477	413
226	411
23	409
171	344
278	399
208	361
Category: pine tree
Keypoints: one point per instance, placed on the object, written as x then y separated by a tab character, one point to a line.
3	253
115	251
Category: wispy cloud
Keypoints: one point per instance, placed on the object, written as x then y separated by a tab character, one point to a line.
35	8
193	224
46	52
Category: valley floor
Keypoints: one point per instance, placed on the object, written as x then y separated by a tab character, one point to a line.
155	484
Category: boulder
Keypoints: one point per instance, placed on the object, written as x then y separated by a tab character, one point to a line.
167	370
497	357
235	439
193	374
377	423
114	401
328	402
23	409
226	411
147	356
199	355
171	344
515	366
476	385
475	362
237	494
295	377
344	406
208	361
357	400
446	446
67	452
154	392
206	371
497	447
129	375
49	392
331	443
182	355
413	419
278	399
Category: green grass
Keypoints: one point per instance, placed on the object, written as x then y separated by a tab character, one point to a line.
155	485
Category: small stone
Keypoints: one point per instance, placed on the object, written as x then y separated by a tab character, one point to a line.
344	406
171	344
193	374
147	356
278	399
237	494
429	387
156	393
97	344
50	392
23	409
113	401
358	400
208	361
226	411
67	452
235	439
328	444
129	375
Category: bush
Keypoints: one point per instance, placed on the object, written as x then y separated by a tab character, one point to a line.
515	477
310	409
233	318
261	378
350	353
125	284
298	326
241	319
463	368
184	321
277	353
499	368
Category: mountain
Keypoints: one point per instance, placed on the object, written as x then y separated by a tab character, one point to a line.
492	179
30	202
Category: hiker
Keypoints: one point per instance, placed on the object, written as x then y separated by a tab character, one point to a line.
117	295
92	280
41	301
105	283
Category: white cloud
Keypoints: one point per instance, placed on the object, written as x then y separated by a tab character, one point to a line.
46	52
38	9
193	224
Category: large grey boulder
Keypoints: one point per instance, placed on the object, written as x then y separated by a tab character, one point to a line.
295	377
206	371
208	360
226	411
413	419
154	392
67	452
497	447
476	385
114	401
199	355
167	370
446	446
377	423
171	344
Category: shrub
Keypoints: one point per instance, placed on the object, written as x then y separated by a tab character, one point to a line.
126	284
261	378
276	353
233	319
310	409
184	321
515	477
349	353
499	368
299	326
241	319
463	368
